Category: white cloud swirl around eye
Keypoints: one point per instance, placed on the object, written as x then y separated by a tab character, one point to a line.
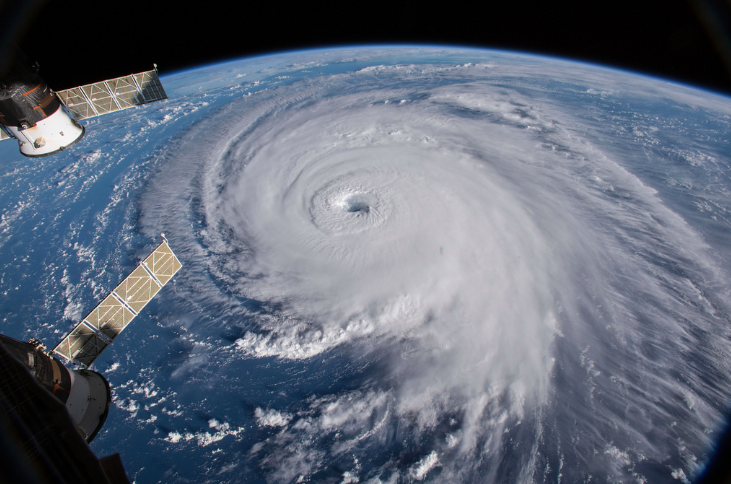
460	229
391	221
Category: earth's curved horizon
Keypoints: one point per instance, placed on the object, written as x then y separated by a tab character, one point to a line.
401	264
454	47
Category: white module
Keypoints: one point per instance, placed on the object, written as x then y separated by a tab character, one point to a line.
50	135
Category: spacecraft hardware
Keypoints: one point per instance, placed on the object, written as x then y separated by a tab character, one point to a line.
86	393
46	122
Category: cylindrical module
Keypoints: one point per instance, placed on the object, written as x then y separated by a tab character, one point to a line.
85	393
33	114
88	402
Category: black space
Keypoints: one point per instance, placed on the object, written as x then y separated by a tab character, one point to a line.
79	42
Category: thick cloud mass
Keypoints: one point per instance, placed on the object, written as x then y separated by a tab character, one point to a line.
407	265
381	224
510	288
377	221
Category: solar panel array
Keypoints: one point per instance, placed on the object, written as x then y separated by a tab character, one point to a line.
113	94
98	329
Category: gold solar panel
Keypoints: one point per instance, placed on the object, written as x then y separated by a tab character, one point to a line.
109	317
82	345
98	329
137	289
113	94
162	263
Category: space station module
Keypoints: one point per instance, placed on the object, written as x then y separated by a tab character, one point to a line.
85	393
45	122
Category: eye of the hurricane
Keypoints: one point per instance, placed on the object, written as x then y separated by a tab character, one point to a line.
357	203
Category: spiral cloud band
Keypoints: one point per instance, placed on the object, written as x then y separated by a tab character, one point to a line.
480	245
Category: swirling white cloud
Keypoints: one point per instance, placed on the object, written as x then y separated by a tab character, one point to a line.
471	234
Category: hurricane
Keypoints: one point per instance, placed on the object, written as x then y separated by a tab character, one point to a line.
441	270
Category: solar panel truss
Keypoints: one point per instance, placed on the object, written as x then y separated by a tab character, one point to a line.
113	94
162	263
137	289
103	324
81	346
